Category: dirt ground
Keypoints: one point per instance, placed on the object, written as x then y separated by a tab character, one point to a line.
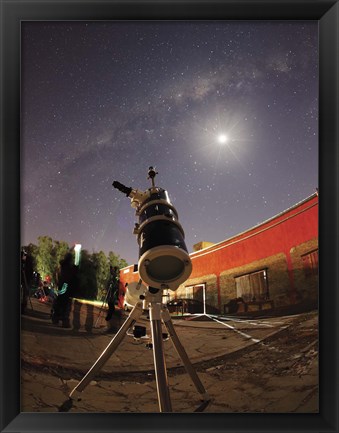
278	374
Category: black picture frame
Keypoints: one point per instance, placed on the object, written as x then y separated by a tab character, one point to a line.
12	14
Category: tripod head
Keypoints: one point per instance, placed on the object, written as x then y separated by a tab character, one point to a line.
164	262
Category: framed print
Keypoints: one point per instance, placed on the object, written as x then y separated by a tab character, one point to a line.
215	126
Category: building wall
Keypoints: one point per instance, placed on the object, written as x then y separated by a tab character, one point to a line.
307	285
278	280
276	245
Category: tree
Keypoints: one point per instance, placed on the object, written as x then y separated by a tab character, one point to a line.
102	272
32	251
116	260
93	272
44	258
60	249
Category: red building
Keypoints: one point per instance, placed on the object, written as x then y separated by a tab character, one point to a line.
273	265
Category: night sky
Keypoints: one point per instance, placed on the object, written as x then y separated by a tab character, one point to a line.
227	112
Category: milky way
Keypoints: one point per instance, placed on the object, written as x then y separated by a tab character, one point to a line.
227	112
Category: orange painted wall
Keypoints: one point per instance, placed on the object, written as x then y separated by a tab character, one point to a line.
277	235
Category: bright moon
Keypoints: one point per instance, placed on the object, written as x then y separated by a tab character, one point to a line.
222	138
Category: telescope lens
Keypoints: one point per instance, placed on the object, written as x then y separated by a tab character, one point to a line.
165	265
165	268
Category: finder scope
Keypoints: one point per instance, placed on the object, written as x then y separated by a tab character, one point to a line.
125	189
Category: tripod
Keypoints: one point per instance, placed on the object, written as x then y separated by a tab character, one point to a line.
158	313
108	295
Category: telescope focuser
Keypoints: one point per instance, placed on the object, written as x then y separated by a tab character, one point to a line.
137	197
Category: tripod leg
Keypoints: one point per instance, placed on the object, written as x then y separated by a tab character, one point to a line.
110	349
102	305
183	355
159	359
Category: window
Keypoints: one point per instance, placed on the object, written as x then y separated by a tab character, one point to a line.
310	263
189	292
253	286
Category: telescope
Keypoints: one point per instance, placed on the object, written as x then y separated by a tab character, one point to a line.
164	262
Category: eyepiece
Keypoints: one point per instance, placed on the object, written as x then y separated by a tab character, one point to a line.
125	189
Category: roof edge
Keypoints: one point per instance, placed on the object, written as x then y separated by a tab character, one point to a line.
305	200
